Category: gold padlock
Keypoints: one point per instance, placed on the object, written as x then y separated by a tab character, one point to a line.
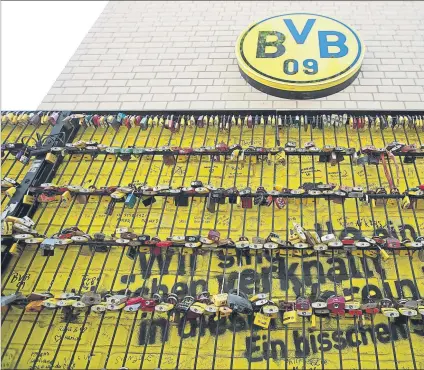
10	192
28	199
51	158
262	320
66	198
289	317
220	299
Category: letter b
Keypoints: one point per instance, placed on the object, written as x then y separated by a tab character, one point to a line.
263	43
324	44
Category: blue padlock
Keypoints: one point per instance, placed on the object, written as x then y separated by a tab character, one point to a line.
130	200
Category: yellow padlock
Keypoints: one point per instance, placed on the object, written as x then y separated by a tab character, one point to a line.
28	199
220	299
313	324
66	198
262	320
289	317
51	158
10	192
384	255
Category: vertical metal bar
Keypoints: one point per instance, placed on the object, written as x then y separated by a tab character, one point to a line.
332	254
317	252
287	285
226	255
364	263
348	254
200	232
102	317
67	282
256	252
122	254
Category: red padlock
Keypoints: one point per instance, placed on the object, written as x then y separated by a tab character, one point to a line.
134	300
147	305
214	235
280	202
336	305
393	243
356	312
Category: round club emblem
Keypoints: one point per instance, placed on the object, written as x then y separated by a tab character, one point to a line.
299	55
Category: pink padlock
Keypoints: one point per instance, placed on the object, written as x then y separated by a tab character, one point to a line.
214	235
53	118
336	305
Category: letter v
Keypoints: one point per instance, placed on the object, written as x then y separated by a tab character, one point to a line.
300	38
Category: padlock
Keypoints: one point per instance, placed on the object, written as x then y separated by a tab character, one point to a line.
116	299
91	298
50	303
303	306
239	302
130	200
336	305
66	198
220	300
262	320
290	315
99	308
34	306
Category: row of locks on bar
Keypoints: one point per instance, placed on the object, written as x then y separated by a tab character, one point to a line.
174	122
222	305
299	240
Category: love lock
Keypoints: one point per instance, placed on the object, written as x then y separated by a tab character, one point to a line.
336	305
196	310
243	243
220	299
407	310
388	309
184	305
116	299
239	302
289	315
303	306
91	298
370	307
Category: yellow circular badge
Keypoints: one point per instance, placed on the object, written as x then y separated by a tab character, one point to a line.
299	55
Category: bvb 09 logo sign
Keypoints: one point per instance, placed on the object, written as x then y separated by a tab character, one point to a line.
299	56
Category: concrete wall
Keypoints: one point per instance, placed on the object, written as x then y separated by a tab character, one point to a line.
180	55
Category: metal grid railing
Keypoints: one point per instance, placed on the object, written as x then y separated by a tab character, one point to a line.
149	340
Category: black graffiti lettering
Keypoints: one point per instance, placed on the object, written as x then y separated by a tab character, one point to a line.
212	326
355	273
313	342
326	344
338	271
371	291
238	323
350	336
350	230
265	271
146	265
318	229
248	280
368	272
151	330
228	281
227	261
252	350
290	274
363	331
278	349
350	291
180	289
187	329
383	333
378	268
194	290
399	330
160	289
301	344
406	227
410	292
341	341
307	267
